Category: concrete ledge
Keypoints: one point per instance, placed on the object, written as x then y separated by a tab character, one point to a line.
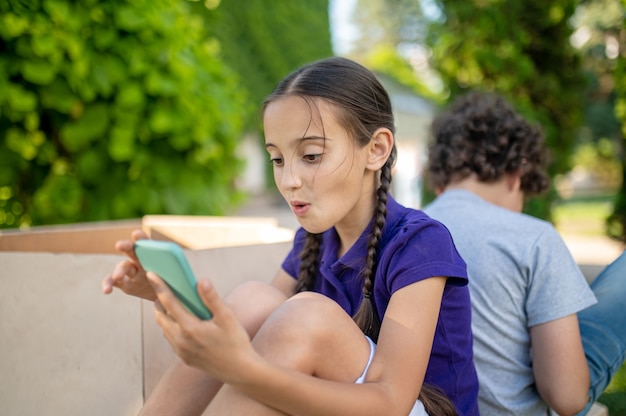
67	349
598	409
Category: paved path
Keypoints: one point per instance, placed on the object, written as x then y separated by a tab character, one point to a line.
593	250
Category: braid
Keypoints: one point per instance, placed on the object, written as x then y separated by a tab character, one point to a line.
308	264
435	402
366	316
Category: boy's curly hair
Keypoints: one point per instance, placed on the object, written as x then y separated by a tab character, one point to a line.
481	134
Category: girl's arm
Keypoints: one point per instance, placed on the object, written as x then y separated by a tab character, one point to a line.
285	283
222	348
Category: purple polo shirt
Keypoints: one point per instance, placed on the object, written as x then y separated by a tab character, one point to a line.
413	247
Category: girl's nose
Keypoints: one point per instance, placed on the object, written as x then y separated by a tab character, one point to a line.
290	177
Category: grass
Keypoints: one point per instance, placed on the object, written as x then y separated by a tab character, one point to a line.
586	217
583	216
614	396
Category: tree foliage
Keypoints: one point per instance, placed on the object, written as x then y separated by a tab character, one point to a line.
112	109
264	41
617	220
522	50
598	24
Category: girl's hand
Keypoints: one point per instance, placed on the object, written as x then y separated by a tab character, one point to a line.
128	275
220	346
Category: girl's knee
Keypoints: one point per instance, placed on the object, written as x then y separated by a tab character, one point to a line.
313	334
309	317
315	311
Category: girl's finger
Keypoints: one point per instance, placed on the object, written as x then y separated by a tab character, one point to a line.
139	235
212	300
125	246
107	285
125	268
136	235
159	307
167	300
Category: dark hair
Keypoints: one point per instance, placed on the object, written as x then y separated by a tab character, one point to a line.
364	106
435	402
481	134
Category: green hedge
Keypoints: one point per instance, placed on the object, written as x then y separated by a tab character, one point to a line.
113	109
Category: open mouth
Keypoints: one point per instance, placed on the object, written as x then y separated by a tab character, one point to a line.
299	208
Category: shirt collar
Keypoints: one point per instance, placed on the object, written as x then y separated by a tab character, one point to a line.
355	257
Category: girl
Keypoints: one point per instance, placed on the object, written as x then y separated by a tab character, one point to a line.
360	264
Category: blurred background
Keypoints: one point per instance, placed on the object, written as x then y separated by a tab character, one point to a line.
119	109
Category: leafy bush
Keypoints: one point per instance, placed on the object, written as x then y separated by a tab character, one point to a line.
113	109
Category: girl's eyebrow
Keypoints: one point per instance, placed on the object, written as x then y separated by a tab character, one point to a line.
299	141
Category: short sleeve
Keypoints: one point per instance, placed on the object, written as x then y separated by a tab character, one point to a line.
420	249
556	286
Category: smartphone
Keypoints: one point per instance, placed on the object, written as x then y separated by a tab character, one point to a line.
168	260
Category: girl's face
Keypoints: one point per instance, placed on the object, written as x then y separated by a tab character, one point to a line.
318	168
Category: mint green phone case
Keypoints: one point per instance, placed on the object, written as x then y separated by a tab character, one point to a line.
168	260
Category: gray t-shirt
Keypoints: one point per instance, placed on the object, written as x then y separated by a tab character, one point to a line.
521	274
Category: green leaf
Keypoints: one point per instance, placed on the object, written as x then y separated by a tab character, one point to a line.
92	125
160	84
129	18
91	165
130	96
162	121
122	144
44	45
58	10
104	37
20	143
58	96
21	99
12	26
38	71
59	197
31	121
108	71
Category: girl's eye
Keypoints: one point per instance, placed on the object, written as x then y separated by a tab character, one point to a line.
276	161
313	158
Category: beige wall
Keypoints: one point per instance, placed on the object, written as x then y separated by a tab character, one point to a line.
67	349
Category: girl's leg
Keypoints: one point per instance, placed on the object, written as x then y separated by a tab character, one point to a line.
308	333
603	327
186	391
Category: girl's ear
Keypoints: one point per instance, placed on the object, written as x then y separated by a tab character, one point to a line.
379	149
